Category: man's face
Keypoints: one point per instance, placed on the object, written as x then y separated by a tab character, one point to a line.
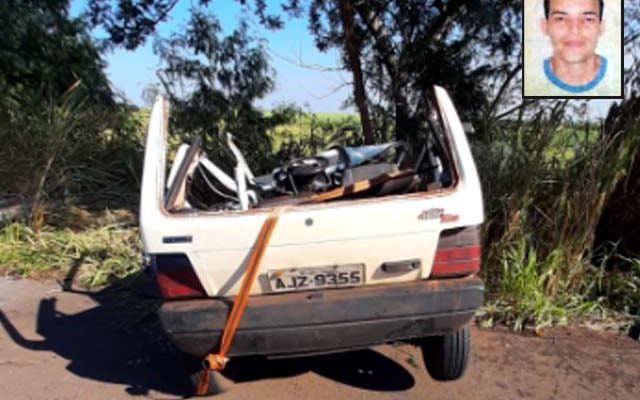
573	27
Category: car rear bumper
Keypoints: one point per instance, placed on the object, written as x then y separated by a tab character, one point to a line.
328	320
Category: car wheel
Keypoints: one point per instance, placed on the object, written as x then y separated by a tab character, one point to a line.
446	356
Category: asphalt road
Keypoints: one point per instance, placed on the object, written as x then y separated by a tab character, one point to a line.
108	345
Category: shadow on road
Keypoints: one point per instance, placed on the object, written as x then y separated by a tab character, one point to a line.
117	341
365	369
121	341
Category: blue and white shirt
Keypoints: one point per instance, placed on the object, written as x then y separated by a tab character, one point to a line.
607	82
577	89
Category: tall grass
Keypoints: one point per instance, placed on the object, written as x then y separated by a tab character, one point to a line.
546	183
620	288
520	295
98	254
70	161
62	151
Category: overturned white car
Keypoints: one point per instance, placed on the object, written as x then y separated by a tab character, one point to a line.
375	245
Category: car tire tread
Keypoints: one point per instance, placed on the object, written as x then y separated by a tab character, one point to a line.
446	356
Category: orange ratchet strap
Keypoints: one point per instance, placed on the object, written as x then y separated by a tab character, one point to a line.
218	360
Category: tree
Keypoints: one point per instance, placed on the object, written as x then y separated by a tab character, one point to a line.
396	50
618	227
130	23
631	38
213	82
43	52
352	48
407	46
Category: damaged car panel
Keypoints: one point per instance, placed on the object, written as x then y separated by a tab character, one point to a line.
297	181
373	244
352	223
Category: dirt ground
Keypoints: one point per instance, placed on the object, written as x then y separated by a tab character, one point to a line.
108	345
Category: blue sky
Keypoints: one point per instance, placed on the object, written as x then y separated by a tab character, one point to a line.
313	89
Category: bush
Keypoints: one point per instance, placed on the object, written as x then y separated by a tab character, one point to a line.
99	255
546	182
521	296
68	151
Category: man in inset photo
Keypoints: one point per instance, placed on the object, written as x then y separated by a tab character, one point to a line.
578	59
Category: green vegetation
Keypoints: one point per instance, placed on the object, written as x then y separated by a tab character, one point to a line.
85	226
520	294
562	198
546	184
306	134
545	188
44	52
98	254
69	150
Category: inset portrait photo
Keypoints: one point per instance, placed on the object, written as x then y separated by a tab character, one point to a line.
572	48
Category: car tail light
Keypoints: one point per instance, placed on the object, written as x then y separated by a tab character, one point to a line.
176	277
458	253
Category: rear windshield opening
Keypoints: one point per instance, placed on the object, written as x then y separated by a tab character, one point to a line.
197	183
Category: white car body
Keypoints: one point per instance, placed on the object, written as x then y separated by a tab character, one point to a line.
368	231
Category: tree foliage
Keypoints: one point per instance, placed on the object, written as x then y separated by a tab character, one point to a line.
64	135
43	52
396	49
213	82
408	46
631	39
129	22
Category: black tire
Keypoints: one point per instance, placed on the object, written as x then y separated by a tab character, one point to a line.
446	356
218	383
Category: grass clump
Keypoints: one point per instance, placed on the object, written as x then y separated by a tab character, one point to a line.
528	294
98	254
620	287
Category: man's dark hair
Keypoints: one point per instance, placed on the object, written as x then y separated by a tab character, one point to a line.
546	9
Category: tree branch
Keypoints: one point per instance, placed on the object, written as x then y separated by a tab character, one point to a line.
631	38
515	108
165	12
302	64
503	87
330	93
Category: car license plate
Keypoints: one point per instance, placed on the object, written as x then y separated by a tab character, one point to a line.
308	278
